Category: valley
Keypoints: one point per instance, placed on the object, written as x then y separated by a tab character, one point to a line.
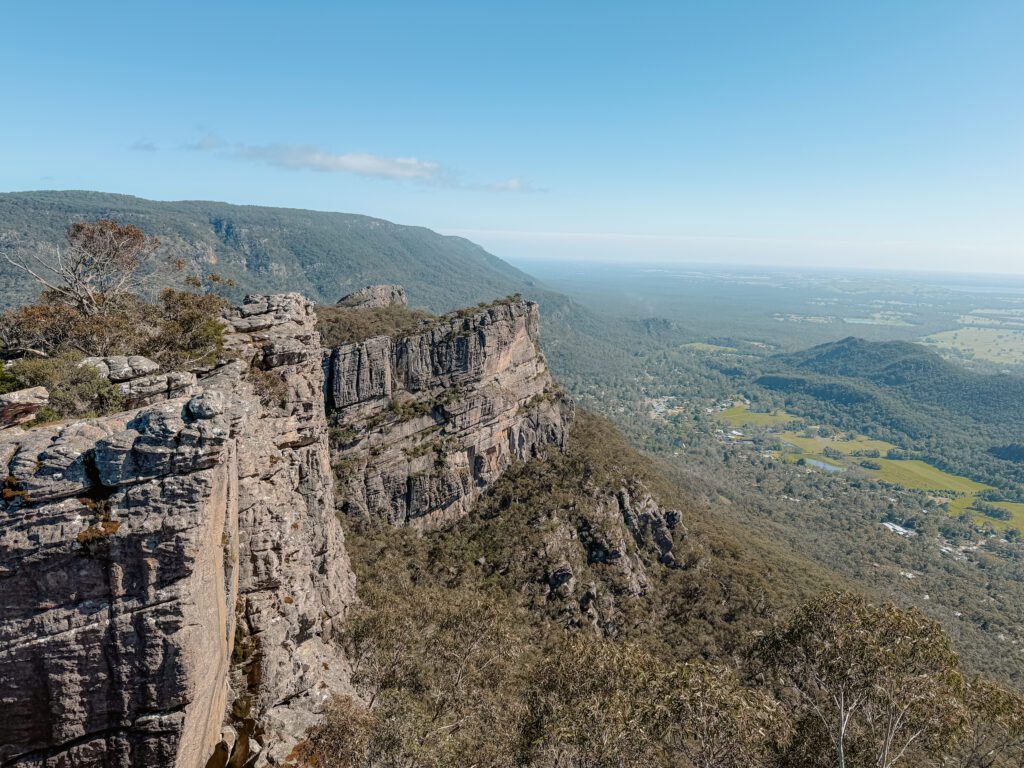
857	453
641	470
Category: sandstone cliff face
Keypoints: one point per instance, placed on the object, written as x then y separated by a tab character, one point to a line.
167	568
421	425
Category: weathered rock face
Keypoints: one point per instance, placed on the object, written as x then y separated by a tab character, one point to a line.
602	553
421	425
375	297
173	569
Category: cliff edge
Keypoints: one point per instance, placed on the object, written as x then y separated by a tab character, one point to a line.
170	576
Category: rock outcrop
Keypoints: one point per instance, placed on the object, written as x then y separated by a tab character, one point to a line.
601	552
21	406
140	380
376	297
170	577
422	424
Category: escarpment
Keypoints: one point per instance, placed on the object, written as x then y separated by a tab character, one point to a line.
170	576
422	424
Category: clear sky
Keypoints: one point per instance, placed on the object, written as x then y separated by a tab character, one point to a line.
871	133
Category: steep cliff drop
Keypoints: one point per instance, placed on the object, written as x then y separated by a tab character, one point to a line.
422	424
170	576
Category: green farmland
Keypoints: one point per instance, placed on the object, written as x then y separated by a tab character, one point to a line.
911	474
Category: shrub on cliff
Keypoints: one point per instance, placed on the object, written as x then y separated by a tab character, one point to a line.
75	391
343	325
88	309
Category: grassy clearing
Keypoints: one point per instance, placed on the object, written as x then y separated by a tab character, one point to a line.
739	415
919	476
995	345
911	474
1017	521
816	445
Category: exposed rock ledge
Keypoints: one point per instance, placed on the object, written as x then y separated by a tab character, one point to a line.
423	424
376	297
170	569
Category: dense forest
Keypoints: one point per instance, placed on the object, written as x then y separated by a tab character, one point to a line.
954	418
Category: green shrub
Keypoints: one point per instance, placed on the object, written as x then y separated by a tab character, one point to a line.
191	330
344	325
75	392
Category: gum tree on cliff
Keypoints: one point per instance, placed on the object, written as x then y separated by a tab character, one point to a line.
99	263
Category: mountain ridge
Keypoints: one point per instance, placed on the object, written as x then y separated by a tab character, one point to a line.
268	249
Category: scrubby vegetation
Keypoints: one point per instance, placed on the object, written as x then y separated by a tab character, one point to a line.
343	325
464	653
89	308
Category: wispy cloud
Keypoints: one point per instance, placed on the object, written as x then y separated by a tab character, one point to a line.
205	144
306	157
513	185
302	157
144	146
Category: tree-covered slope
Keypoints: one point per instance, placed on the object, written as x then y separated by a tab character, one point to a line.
914	370
959	420
323	255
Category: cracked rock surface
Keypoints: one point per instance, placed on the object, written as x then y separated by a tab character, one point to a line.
423	424
178	567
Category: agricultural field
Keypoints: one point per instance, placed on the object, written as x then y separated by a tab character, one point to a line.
1017	510
911	474
1001	346
740	415
845	444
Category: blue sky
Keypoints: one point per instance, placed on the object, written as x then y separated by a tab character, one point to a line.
876	133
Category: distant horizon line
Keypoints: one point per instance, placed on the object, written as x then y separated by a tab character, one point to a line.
606	238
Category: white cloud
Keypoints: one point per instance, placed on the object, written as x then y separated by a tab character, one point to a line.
305	157
299	157
512	185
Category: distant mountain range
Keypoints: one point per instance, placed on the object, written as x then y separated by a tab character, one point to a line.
323	255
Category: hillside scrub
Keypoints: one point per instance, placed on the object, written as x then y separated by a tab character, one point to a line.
344	325
464	653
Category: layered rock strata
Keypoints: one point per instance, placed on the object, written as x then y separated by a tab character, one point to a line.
178	567
421	425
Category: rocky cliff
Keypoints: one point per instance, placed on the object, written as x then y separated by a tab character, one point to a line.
422	424
170	576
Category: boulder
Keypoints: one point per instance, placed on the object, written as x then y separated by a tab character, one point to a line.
22	406
375	297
